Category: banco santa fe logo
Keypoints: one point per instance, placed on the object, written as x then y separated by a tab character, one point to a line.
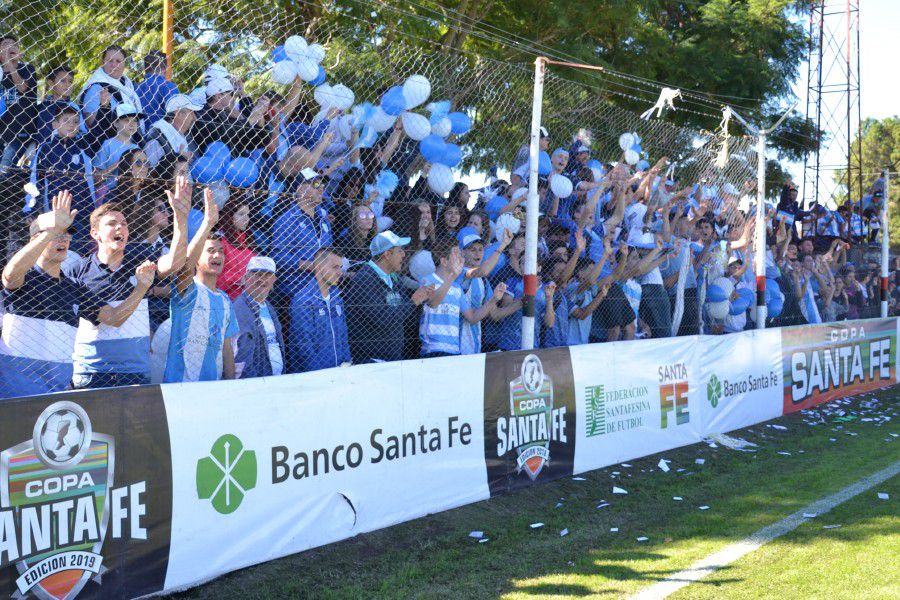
57	502
227	474
714	390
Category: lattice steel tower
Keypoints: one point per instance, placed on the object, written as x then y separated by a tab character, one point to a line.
832	102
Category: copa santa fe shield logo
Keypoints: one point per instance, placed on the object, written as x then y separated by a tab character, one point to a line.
58	484
532	394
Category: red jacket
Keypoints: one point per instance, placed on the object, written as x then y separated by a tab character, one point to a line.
236	259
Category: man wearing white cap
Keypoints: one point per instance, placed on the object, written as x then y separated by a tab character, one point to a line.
260	343
217	121
171	135
378	309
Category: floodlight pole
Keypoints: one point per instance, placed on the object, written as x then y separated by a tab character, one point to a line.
529	269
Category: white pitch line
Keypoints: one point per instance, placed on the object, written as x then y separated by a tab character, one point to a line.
733	552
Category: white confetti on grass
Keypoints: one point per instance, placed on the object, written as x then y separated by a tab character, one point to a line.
476	534
704	507
643	538
618	490
663	465
614	530
883	496
536	525
677	498
700	461
564	532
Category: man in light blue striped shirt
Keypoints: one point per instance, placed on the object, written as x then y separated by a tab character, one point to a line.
203	320
439	327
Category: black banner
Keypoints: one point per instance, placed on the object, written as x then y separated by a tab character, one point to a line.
85	494
529	412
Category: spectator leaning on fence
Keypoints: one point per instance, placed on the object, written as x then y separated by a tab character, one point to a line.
260	349
114	349
378	309
318	332
41	309
203	320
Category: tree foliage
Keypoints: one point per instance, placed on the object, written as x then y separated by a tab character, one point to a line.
745	52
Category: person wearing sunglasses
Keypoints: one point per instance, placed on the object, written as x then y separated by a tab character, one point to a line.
353	243
300	232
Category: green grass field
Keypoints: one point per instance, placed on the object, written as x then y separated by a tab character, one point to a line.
434	557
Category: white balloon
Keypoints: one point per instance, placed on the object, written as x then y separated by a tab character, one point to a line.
307	68
381	121
316	52
324	95
726	284
632	157
440	179
295	47
284	72
415	125
626	141
718	310
442	128
345	127
343	96
416	90
560	185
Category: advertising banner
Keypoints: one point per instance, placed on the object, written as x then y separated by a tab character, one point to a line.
85	494
836	360
133	491
529	418
263	468
740	379
635	399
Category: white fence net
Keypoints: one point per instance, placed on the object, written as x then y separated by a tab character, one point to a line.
314	140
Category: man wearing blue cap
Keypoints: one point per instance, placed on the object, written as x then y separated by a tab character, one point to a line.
474	282
378	309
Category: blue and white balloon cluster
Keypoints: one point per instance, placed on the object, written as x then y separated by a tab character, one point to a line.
297	58
630	143
217	164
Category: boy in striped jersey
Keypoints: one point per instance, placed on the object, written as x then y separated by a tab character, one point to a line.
439	327
203	321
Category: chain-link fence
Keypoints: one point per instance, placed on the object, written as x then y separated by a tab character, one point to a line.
309	188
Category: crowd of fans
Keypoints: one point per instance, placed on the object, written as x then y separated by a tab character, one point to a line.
121	270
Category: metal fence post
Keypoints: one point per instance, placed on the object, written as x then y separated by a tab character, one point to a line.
885	242
760	237
529	269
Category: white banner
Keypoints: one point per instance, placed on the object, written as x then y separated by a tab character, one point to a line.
740	379
635	399
264	468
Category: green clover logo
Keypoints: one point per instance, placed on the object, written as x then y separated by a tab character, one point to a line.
226	474
714	391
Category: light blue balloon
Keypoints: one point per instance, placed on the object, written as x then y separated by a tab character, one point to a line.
775	307
594	164
451	156
432	148
393	102
367	137
206	170
320	78
219	152
643	165
739	306
715	293
544	164
637	148
241	172
278	54
460	123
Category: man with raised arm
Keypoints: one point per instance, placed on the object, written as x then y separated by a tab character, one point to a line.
115	350
203	321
